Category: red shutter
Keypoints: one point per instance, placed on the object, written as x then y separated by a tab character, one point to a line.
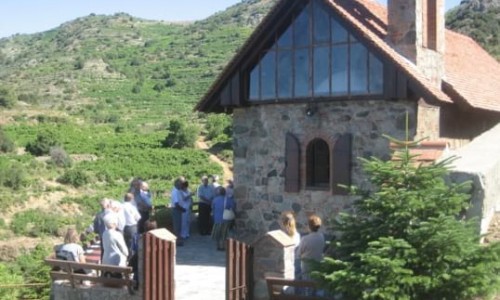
292	164
341	164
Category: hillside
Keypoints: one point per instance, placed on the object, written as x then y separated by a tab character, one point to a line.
120	68
103	91
99	95
479	19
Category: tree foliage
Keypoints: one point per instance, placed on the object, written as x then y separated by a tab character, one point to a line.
217	125
44	141
181	135
8	277
481	25
6	144
406	240
7	97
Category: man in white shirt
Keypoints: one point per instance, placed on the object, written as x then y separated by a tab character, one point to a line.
176	199
132	216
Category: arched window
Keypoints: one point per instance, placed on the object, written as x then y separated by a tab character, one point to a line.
318	164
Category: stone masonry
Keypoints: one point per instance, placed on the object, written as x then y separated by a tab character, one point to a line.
259	155
273	256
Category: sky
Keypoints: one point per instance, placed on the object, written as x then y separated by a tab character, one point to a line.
31	16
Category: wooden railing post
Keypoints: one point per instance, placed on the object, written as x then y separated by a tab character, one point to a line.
159	263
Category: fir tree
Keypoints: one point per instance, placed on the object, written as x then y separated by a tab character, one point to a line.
406	239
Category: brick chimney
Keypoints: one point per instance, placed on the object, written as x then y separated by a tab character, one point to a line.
416	30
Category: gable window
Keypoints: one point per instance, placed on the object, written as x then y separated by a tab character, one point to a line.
315	56
318	164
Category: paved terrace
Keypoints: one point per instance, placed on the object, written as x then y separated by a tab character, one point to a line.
200	272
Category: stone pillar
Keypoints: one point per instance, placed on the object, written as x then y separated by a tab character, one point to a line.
405	26
416	29
273	256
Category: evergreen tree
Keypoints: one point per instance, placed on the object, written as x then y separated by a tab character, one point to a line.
406	239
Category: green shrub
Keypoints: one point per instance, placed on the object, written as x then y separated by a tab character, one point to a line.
76	178
6	144
44	141
34	271
218	124
181	135
37	223
7	98
59	157
14	176
9	277
136	89
406	240
88	204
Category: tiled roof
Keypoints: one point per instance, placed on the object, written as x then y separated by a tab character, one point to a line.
470	72
424	152
359	21
472	76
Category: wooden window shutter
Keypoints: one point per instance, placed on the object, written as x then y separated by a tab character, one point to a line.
341	164
292	164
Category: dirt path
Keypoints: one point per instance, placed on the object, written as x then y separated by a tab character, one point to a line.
227	172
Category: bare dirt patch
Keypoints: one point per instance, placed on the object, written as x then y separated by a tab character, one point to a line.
226	169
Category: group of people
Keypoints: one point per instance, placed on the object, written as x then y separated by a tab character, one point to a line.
213	199
118	226
308	248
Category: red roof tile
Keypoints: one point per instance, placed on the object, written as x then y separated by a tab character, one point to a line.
469	70
472	72
424	152
359	21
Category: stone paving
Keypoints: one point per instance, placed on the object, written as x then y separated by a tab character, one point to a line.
200	270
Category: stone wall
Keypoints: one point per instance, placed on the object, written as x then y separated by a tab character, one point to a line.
273	257
428	122
479	162
62	290
259	150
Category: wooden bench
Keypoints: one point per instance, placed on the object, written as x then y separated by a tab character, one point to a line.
65	270
275	289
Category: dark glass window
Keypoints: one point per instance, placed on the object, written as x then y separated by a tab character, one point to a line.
285	41
254	83
268	73
321	24
318	164
359	69
301	78
315	56
321	71
376	75
339	34
339	70
285	74
301	30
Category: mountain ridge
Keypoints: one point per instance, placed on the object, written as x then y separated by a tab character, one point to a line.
99	68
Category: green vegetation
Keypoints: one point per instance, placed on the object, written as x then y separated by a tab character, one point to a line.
480	24
96	102
407	239
181	135
6	144
7	98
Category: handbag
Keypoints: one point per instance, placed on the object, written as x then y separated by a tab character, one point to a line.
227	214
